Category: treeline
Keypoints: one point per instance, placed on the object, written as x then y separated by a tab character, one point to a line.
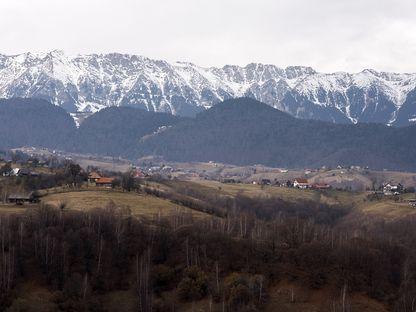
114	131
65	173
230	261
263	208
62	173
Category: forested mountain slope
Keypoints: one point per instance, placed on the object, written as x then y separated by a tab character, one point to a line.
245	131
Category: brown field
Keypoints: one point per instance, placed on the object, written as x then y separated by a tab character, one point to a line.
139	204
12	208
388	207
288	194
252	190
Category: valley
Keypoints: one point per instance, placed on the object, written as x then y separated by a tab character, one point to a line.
210	219
207	156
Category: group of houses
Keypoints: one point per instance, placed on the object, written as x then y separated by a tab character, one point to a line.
98	179
20	172
390	189
302	183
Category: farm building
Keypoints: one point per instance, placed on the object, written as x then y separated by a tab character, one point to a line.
24	172
14	172
301	183
20	199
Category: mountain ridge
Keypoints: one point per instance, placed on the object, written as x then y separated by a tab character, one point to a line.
247	132
88	83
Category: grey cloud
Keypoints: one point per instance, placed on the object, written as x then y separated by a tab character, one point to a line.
330	35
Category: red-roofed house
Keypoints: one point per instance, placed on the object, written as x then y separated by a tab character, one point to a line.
104	182
93	177
138	174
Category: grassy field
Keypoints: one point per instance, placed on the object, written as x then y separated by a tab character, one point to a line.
289	194
252	190
388	207
385	207
12	208
139	204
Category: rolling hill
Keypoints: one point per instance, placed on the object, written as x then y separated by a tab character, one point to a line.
34	122
116	131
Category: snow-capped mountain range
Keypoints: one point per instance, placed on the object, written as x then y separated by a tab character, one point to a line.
88	83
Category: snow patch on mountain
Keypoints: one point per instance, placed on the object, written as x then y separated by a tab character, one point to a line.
88	83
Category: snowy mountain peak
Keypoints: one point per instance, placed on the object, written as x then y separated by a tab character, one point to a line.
87	83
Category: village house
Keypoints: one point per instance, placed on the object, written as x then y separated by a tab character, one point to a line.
390	189
104	182
93	177
301	183
24	172
14	172
138	174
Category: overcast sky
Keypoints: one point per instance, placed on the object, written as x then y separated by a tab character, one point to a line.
329	35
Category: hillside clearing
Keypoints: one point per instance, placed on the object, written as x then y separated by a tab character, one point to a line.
139	204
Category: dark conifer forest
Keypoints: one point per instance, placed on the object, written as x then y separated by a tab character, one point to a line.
241	131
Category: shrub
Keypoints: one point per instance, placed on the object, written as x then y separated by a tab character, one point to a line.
194	285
